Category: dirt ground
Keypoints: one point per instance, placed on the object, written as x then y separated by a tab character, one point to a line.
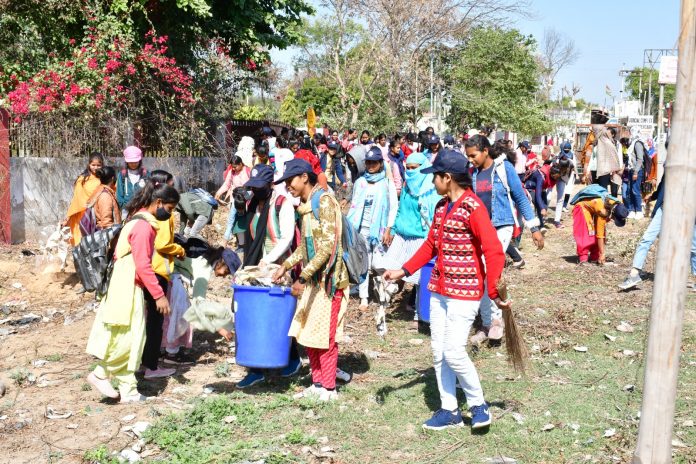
45	325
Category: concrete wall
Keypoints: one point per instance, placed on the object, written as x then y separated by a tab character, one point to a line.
41	188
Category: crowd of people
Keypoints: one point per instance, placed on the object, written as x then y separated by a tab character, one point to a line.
462	203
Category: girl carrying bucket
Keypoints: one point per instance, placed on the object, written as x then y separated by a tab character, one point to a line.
460	238
118	333
322	288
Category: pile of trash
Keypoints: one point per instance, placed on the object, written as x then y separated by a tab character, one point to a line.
260	276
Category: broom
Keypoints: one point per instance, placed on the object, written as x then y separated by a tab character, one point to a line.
514	340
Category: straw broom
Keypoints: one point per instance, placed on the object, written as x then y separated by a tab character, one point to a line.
514	340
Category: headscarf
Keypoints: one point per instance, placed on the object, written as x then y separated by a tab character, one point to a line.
418	183
245	150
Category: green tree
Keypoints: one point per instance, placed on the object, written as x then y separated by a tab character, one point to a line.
290	111
250	113
318	93
641	77
493	78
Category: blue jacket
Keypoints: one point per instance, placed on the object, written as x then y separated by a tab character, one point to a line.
124	188
508	193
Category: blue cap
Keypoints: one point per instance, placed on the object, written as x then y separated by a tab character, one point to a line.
294	167
434	140
231	259
620	214
524	144
449	140
261	175
332	145
448	161
375	154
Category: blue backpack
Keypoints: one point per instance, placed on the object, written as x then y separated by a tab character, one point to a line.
205	196
355	253
590	192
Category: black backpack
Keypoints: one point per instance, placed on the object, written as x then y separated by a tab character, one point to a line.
94	258
647	160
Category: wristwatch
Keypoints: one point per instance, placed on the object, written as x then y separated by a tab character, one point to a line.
534	229
302	280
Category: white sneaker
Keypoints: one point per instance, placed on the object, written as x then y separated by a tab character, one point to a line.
343	376
310	392
136	398
632	215
328	395
159	373
639	215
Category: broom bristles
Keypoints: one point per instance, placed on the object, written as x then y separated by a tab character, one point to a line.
515	346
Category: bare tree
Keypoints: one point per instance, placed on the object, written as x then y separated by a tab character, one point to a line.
556	52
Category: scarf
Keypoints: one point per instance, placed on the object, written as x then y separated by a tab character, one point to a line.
399	161
421	186
380	205
253	244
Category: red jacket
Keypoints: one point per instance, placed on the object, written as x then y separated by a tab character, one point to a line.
459	239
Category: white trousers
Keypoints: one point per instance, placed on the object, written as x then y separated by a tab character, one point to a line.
450	323
489	310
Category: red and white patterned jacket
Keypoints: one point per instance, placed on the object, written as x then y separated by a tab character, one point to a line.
458	239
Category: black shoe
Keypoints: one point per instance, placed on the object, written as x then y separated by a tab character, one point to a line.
178	359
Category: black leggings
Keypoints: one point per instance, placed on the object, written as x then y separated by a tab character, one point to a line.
513	253
605	181
153	327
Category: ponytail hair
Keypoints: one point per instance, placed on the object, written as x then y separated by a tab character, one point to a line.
500	147
94	156
150	193
106	174
160	176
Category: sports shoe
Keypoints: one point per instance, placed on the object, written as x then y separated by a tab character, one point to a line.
565	209
252	378
444	419
292	368
363	305
497	330
558	225
630	282
518	264
136	398
639	215
478	338
543	230
631	215
480	416
159	373
328	395
178	359
310	392
343	376
103	385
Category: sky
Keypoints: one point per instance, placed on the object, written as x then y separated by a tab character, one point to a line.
609	34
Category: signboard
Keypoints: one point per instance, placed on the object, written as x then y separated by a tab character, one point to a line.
643	123
668	70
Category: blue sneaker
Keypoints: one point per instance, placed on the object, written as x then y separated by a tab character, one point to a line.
252	378
480	416
443	419
292	368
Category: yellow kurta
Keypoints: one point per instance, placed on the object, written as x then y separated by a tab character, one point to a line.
81	195
118	332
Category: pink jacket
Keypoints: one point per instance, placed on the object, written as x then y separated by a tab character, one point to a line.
234	180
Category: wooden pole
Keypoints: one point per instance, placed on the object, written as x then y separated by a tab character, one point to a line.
673	255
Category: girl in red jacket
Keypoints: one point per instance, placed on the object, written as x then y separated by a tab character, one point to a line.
460	237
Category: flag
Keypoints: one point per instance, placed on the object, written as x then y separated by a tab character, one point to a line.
311	121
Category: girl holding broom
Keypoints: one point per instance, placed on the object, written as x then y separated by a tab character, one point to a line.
118	332
460	238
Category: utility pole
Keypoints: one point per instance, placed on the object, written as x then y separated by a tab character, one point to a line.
660	113
669	293
432	105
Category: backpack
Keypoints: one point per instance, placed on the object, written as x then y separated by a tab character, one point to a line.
88	222
647	159
590	192
355	252
94	258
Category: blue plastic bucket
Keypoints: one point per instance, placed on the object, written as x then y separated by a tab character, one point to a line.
424	293
261	323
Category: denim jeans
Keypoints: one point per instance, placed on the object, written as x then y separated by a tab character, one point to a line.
650	235
560	192
230	223
450	323
633	193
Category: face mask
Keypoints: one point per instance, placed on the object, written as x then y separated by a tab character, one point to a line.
566	150
162	214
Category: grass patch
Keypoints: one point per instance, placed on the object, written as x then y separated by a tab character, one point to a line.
56	357
100	455
20	376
